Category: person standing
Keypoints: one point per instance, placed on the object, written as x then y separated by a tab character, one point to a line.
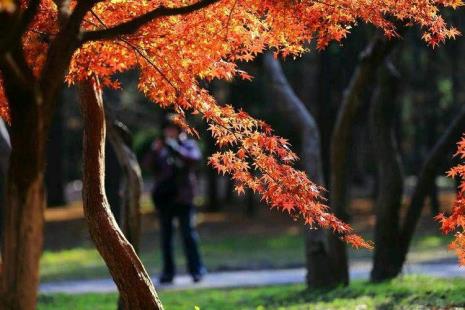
173	160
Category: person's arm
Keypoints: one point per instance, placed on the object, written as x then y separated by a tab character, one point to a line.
187	151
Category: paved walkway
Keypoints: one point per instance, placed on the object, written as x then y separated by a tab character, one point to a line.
246	278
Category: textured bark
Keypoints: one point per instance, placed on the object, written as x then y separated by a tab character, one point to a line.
370	59
320	259
32	103
22	244
134	284
383	114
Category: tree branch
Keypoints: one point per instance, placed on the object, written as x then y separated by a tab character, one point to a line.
291	104
134	24
61	51
17	26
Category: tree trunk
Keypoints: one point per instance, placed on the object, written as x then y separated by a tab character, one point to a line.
324	112
131	184
132	181
212	181
370	59
25	197
390	185
425	180
31	101
5	150
133	282
113	180
320	259
54	178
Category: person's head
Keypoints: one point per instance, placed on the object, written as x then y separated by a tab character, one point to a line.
170	129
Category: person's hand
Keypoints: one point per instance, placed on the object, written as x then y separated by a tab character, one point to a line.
171	143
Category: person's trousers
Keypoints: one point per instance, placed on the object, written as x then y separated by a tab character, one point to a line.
185	215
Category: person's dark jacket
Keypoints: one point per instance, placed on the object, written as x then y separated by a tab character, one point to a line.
173	165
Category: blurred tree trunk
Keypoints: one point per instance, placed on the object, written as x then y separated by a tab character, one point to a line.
113	178
213	203
229	195
425	181
370	59
383	112
134	284
401	233
221	92
5	150
54	178
320	258
250	204
325	114
25	196
121	142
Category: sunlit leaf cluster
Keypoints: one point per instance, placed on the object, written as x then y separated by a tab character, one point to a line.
455	222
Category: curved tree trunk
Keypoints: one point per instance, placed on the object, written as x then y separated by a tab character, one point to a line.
134	284
383	114
319	255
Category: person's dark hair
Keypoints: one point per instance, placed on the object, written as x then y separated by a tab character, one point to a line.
168	121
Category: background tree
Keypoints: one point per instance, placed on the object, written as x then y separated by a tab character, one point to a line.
384	110
319	256
5	149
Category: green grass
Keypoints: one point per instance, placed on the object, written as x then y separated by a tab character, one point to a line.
410	292
239	251
219	253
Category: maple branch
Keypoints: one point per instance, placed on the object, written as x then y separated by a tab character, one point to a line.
136	49
61	50
134	24
27	17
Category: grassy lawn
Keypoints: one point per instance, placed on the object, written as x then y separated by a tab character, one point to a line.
255	251
222	253
410	292
229	241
